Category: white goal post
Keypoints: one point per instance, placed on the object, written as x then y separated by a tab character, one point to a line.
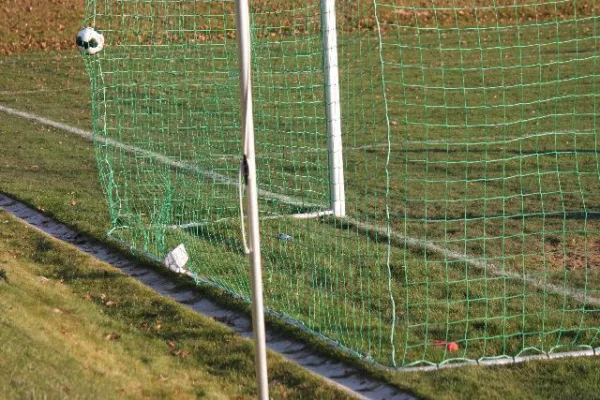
247	125
332	105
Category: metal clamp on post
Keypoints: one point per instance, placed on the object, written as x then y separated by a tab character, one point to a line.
243	173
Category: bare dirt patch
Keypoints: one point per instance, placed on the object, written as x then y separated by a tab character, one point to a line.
27	25
42	25
573	255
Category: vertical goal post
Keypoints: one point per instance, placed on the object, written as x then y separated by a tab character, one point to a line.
333	109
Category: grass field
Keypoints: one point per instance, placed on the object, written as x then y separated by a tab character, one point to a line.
73	327
471	169
49	168
492	154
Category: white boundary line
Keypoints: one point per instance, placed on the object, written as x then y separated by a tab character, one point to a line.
310	215
13	93
576	294
160	157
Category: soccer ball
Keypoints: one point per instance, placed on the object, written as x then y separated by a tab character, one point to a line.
90	41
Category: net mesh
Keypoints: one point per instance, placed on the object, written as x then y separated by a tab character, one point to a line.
471	165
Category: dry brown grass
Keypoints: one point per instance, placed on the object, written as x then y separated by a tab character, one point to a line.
41	25
38	24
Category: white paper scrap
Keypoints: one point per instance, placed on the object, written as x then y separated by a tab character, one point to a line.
176	259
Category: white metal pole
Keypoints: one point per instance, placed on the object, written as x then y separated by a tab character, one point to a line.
258	321
332	102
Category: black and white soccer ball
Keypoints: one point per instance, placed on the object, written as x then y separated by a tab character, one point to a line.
90	41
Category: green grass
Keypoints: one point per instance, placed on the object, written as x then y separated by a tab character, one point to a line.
49	168
480	141
50	190
492	152
74	327
477	164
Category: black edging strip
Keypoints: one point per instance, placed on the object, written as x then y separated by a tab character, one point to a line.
342	375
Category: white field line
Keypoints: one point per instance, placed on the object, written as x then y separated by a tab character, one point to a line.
160	157
576	294
309	215
12	93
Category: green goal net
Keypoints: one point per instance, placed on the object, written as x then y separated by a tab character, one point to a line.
469	153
